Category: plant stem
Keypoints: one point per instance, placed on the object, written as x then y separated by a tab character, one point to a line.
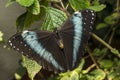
100	40
62	4
117	6
88	69
104	43
93	59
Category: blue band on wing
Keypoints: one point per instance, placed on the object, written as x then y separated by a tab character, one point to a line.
31	39
77	21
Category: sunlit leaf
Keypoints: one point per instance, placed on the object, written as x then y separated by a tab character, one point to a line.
54	18
32	67
1	36
98	74
25	3
104	65
97	8
81	65
74	76
79	4
35	8
65	78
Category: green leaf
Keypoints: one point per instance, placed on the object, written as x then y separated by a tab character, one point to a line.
35	8
99	52
115	51
25	3
101	26
74	76
20	73
80	67
54	18
97	8
65	78
25	20
105	63
95	2
10	2
32	67
98	74
1	36
111	19
79	4
21	21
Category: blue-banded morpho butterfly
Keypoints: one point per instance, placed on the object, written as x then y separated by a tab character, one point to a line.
60	50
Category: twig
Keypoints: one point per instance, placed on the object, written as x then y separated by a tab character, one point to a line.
117	6
89	68
62	4
93	59
111	37
104	43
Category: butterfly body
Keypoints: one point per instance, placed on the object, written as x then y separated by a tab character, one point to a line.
60	50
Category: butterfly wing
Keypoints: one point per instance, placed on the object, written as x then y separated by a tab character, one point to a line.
42	47
75	34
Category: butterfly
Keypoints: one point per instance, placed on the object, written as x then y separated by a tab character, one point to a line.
60	50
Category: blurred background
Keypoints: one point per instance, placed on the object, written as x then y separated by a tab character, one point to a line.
8	58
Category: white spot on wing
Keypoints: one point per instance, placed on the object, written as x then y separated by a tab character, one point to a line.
92	18
17	49
13	46
10	44
25	45
90	27
86	10
93	14
9	41
92	11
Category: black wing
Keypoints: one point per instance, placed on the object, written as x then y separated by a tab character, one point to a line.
75	38
49	56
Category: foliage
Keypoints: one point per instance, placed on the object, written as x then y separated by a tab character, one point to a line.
104	57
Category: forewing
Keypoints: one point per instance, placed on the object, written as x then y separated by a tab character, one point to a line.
40	46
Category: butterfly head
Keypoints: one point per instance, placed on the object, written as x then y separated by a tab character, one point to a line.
29	35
